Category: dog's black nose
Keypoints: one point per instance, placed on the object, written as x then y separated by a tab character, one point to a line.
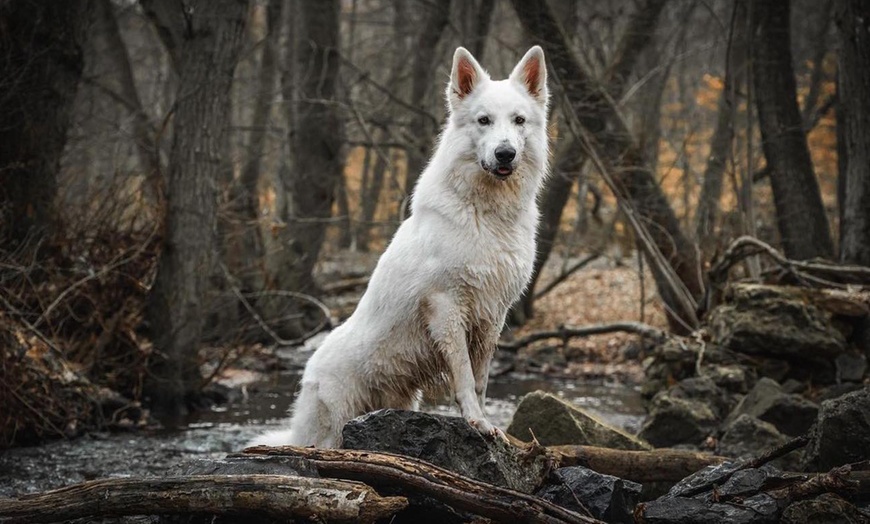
505	154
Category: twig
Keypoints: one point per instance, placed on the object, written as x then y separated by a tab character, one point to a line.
327	315
566	332
96	274
757	462
567	273
746	246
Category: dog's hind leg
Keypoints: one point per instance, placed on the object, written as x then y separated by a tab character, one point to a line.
448	332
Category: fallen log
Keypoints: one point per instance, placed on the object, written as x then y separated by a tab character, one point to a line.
279	496
416	476
668	465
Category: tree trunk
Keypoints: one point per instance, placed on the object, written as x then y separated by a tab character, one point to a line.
208	53
316	135
723	135
144	133
820	39
592	108
801	219
308	181
41	62
422	124
245	249
854	94
571	157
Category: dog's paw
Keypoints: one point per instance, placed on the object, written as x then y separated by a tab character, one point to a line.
484	426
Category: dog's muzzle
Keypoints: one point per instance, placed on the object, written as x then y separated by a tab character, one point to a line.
504	162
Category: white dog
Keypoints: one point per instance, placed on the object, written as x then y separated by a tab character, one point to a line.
438	297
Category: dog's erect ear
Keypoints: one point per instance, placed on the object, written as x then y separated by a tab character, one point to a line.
465	75
531	72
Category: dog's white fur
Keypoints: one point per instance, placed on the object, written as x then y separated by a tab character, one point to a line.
438	297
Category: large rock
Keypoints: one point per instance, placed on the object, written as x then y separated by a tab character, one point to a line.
705	390
758	509
674	420
555	422
449	442
826	509
747	437
608	498
842	432
792	414
777	321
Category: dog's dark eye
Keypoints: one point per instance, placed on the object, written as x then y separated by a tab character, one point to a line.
519	120
484	120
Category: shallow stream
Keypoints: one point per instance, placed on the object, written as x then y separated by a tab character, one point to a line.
263	405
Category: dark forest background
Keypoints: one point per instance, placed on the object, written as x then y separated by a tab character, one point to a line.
181	175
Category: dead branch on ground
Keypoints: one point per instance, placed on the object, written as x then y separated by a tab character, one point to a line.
279	496
670	465
416	476
566	332
808	272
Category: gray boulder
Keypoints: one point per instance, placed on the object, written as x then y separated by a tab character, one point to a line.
841	434
776	321
449	442
556	422
608	498
705	390
757	509
792	414
674	420
747	437
851	367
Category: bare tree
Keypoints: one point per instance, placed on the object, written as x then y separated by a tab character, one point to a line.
41	62
373	181
245	250
854	94
144	133
309	178
206	39
723	135
610	141
801	219
424	126
571	157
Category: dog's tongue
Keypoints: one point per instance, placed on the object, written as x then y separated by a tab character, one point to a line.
504	171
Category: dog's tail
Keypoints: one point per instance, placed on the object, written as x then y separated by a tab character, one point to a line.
281	437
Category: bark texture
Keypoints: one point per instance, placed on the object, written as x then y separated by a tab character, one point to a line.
571	157
592	109
315	135
801	219
278	496
853	17
723	135
208	52
41	62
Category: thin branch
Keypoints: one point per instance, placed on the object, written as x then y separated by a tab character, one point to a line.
566	332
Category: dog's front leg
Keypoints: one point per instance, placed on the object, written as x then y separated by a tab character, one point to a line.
481	379
448	331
